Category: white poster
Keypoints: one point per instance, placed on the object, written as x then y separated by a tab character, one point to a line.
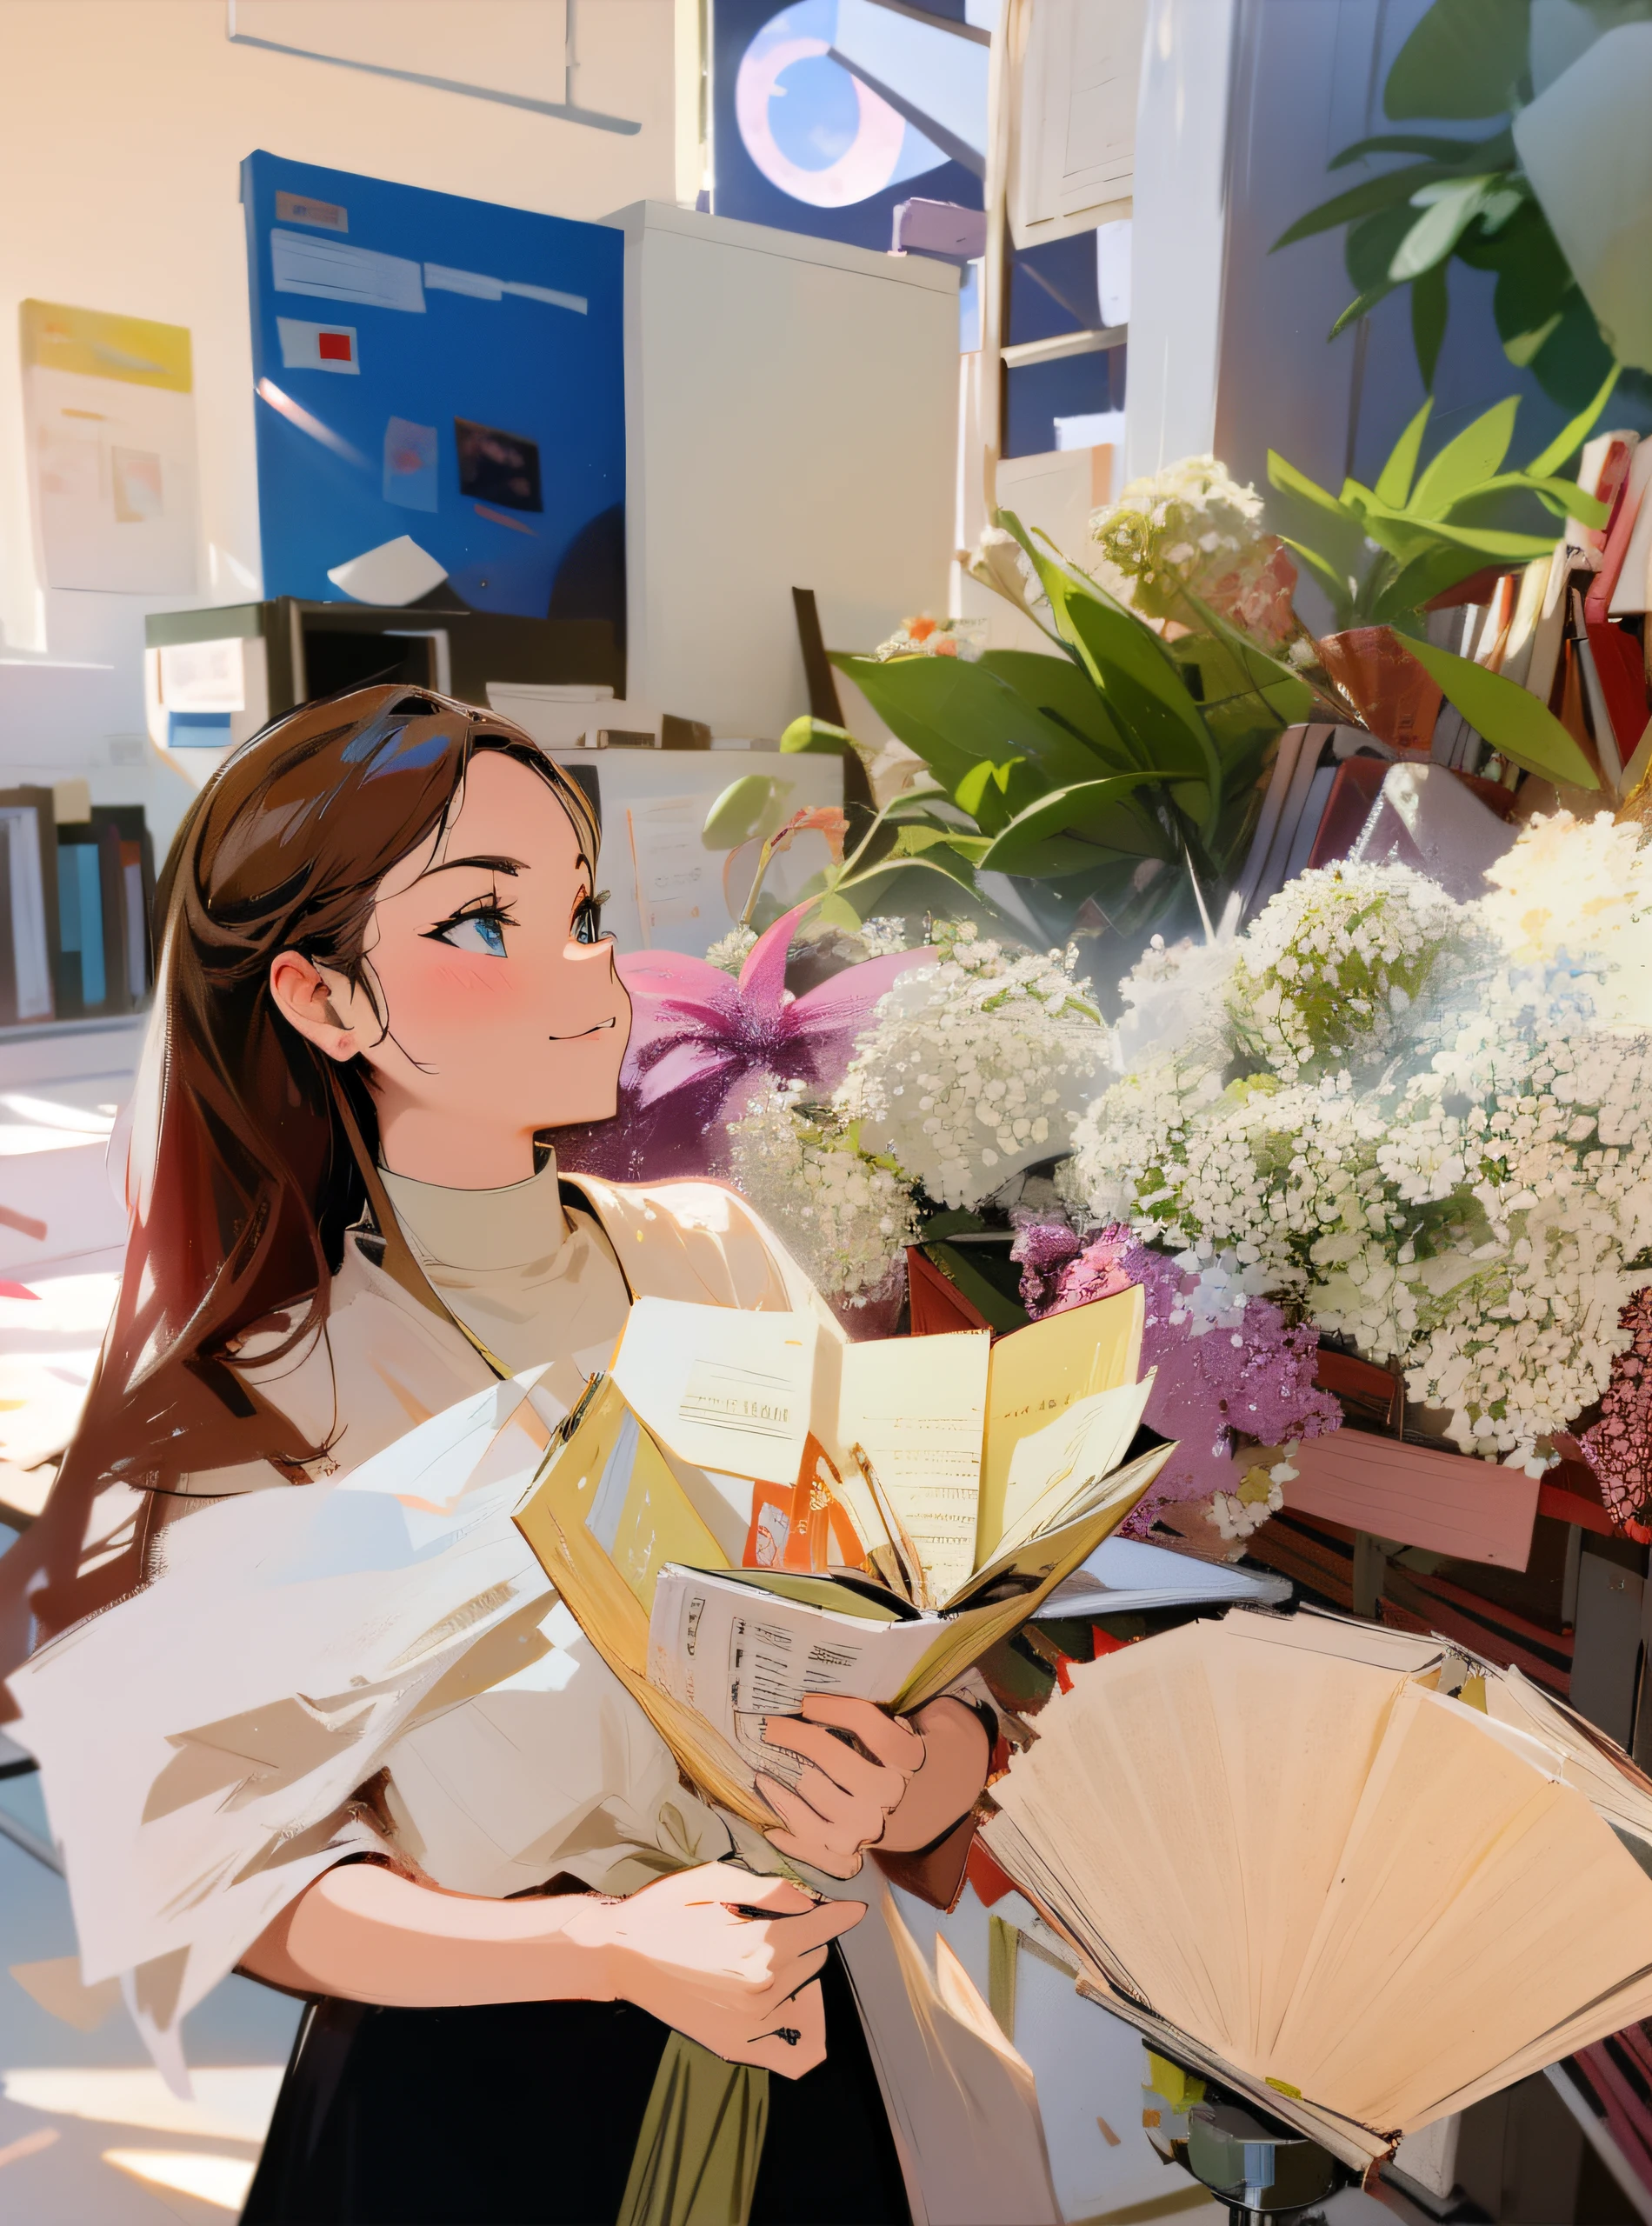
108	409
678	879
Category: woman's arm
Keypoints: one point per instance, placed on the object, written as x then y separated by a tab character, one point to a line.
725	1955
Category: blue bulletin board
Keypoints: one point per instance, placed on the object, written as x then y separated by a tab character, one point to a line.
440	372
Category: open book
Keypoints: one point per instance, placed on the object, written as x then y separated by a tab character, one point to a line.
1354	1875
745	1511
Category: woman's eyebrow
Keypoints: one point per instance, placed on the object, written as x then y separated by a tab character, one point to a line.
512	866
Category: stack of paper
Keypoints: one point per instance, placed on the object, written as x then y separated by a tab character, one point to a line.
747	1511
1360	1879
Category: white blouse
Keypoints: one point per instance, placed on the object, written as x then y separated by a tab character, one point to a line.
375	1662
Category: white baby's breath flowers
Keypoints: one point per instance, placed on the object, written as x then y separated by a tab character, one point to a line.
1185	526
846	1219
1579	889
975	1067
729	952
1329	970
1456	1178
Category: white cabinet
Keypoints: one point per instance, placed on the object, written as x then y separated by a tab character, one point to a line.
791	412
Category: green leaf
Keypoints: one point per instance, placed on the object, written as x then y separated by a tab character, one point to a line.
938	880
1337	589
1361	305
1511	721
1522	348
1564	497
737	814
954	713
1136	676
972	791
1407	539
1572	436
1430	304
1380	192
1091	805
1232	666
1372	244
1462	463
818	735
1289	480
915	842
1061	689
1415	142
1394	481
1447	210
1465	58
1425	577
1575	356
833	912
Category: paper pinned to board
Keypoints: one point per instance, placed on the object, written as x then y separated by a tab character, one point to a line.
302	263
395	573
109	419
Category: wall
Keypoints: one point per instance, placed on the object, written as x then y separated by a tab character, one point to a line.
123	127
1243	104
1178	232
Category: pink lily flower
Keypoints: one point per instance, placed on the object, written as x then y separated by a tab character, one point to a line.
703	1044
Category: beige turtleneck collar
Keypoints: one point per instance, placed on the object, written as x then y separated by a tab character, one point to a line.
531	1281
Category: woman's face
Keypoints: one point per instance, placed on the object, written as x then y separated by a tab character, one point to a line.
501	1010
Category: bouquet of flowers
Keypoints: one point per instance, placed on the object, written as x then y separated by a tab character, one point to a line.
1422	1126
975	1069
1193	529
976	1066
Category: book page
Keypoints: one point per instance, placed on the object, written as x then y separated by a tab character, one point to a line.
917	1406
1053	1468
724	1388
1036	1374
1478	1905
1616	1788
613	1481
736	1653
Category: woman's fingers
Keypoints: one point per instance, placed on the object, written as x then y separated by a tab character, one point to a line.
756	1890
804	1847
849	1814
816	1743
857	1826
887	1737
808	1837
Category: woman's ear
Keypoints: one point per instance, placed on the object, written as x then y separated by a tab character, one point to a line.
303	997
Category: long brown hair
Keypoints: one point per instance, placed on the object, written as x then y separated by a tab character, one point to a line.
243	1176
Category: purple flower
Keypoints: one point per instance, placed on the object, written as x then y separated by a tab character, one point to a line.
1249	1372
703	1044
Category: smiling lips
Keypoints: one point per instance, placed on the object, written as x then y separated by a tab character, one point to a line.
580	1032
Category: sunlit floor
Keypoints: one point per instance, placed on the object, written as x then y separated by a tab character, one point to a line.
88	2133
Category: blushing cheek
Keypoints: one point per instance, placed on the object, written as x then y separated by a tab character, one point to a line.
447	989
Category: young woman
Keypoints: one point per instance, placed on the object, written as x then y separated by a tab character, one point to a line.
299	1713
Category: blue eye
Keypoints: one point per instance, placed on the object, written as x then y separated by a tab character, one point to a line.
482	932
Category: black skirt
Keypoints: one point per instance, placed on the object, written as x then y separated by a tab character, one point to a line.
527	2114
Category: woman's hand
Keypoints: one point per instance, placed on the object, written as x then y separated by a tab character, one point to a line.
923	1774
728	1957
